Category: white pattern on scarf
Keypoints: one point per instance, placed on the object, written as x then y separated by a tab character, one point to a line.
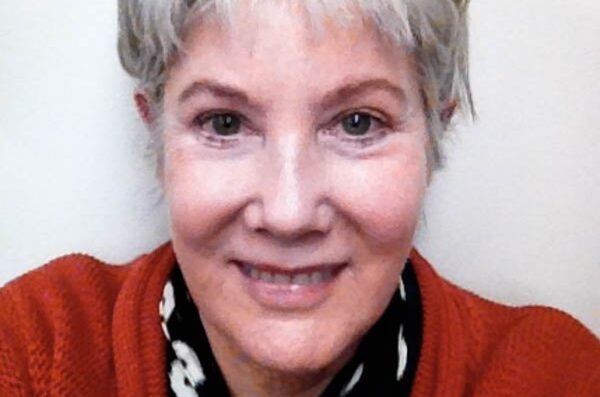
402	355
353	381
186	367
166	306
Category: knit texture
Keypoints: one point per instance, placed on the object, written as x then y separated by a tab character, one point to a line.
80	327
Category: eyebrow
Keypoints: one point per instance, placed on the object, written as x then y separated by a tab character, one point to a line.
217	89
356	88
349	90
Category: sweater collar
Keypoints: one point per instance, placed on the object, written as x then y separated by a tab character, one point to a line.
138	342
442	369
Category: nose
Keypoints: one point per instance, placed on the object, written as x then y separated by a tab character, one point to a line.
291	201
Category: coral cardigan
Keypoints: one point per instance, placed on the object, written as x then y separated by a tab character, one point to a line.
79	327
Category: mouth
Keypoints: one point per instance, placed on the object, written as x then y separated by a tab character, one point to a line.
281	288
304	276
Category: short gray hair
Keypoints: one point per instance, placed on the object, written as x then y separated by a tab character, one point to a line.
434	31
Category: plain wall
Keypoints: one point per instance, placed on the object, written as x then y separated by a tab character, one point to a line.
514	216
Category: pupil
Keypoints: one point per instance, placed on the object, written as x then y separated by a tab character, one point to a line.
357	124
226	124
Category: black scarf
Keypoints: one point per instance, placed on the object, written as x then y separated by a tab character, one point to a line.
384	364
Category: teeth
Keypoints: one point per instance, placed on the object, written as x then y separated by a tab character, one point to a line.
280	278
316	277
266	277
301	279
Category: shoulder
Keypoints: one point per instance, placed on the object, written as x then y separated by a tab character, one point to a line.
537	350
532	350
56	323
65	283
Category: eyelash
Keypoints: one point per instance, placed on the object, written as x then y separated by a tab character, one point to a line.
375	133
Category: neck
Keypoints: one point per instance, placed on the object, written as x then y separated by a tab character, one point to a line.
247	380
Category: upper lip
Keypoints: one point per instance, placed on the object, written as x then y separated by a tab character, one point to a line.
291	270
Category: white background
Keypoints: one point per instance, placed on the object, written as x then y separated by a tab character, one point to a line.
514	216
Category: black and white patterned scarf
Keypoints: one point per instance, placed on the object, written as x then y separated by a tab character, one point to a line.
384	365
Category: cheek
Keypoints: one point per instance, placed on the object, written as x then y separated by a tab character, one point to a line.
384	197
203	195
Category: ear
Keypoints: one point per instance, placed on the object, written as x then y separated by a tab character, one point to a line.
144	108
448	111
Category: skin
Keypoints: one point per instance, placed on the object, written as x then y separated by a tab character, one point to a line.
292	187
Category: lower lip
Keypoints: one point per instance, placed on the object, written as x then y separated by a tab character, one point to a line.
289	297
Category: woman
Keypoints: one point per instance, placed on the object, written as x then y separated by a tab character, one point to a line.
294	141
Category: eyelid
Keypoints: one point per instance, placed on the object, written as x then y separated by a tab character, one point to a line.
203	117
375	116
247	127
369	112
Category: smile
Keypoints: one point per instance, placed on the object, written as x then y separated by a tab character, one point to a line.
306	277
280	288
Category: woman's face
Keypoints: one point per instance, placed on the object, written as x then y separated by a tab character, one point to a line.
294	171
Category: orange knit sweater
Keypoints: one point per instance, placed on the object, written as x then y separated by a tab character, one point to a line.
78	327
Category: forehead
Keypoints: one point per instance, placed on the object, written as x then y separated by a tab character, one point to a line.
285	43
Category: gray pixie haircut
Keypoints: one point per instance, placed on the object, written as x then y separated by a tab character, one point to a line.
434	31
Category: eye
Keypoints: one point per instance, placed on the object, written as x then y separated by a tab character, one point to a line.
357	124
221	129
358	129
225	124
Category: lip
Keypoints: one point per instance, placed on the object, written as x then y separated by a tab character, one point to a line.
283	288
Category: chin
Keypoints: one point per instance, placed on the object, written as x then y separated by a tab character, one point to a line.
298	347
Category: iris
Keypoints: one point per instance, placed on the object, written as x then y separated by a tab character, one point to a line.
357	124
226	124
